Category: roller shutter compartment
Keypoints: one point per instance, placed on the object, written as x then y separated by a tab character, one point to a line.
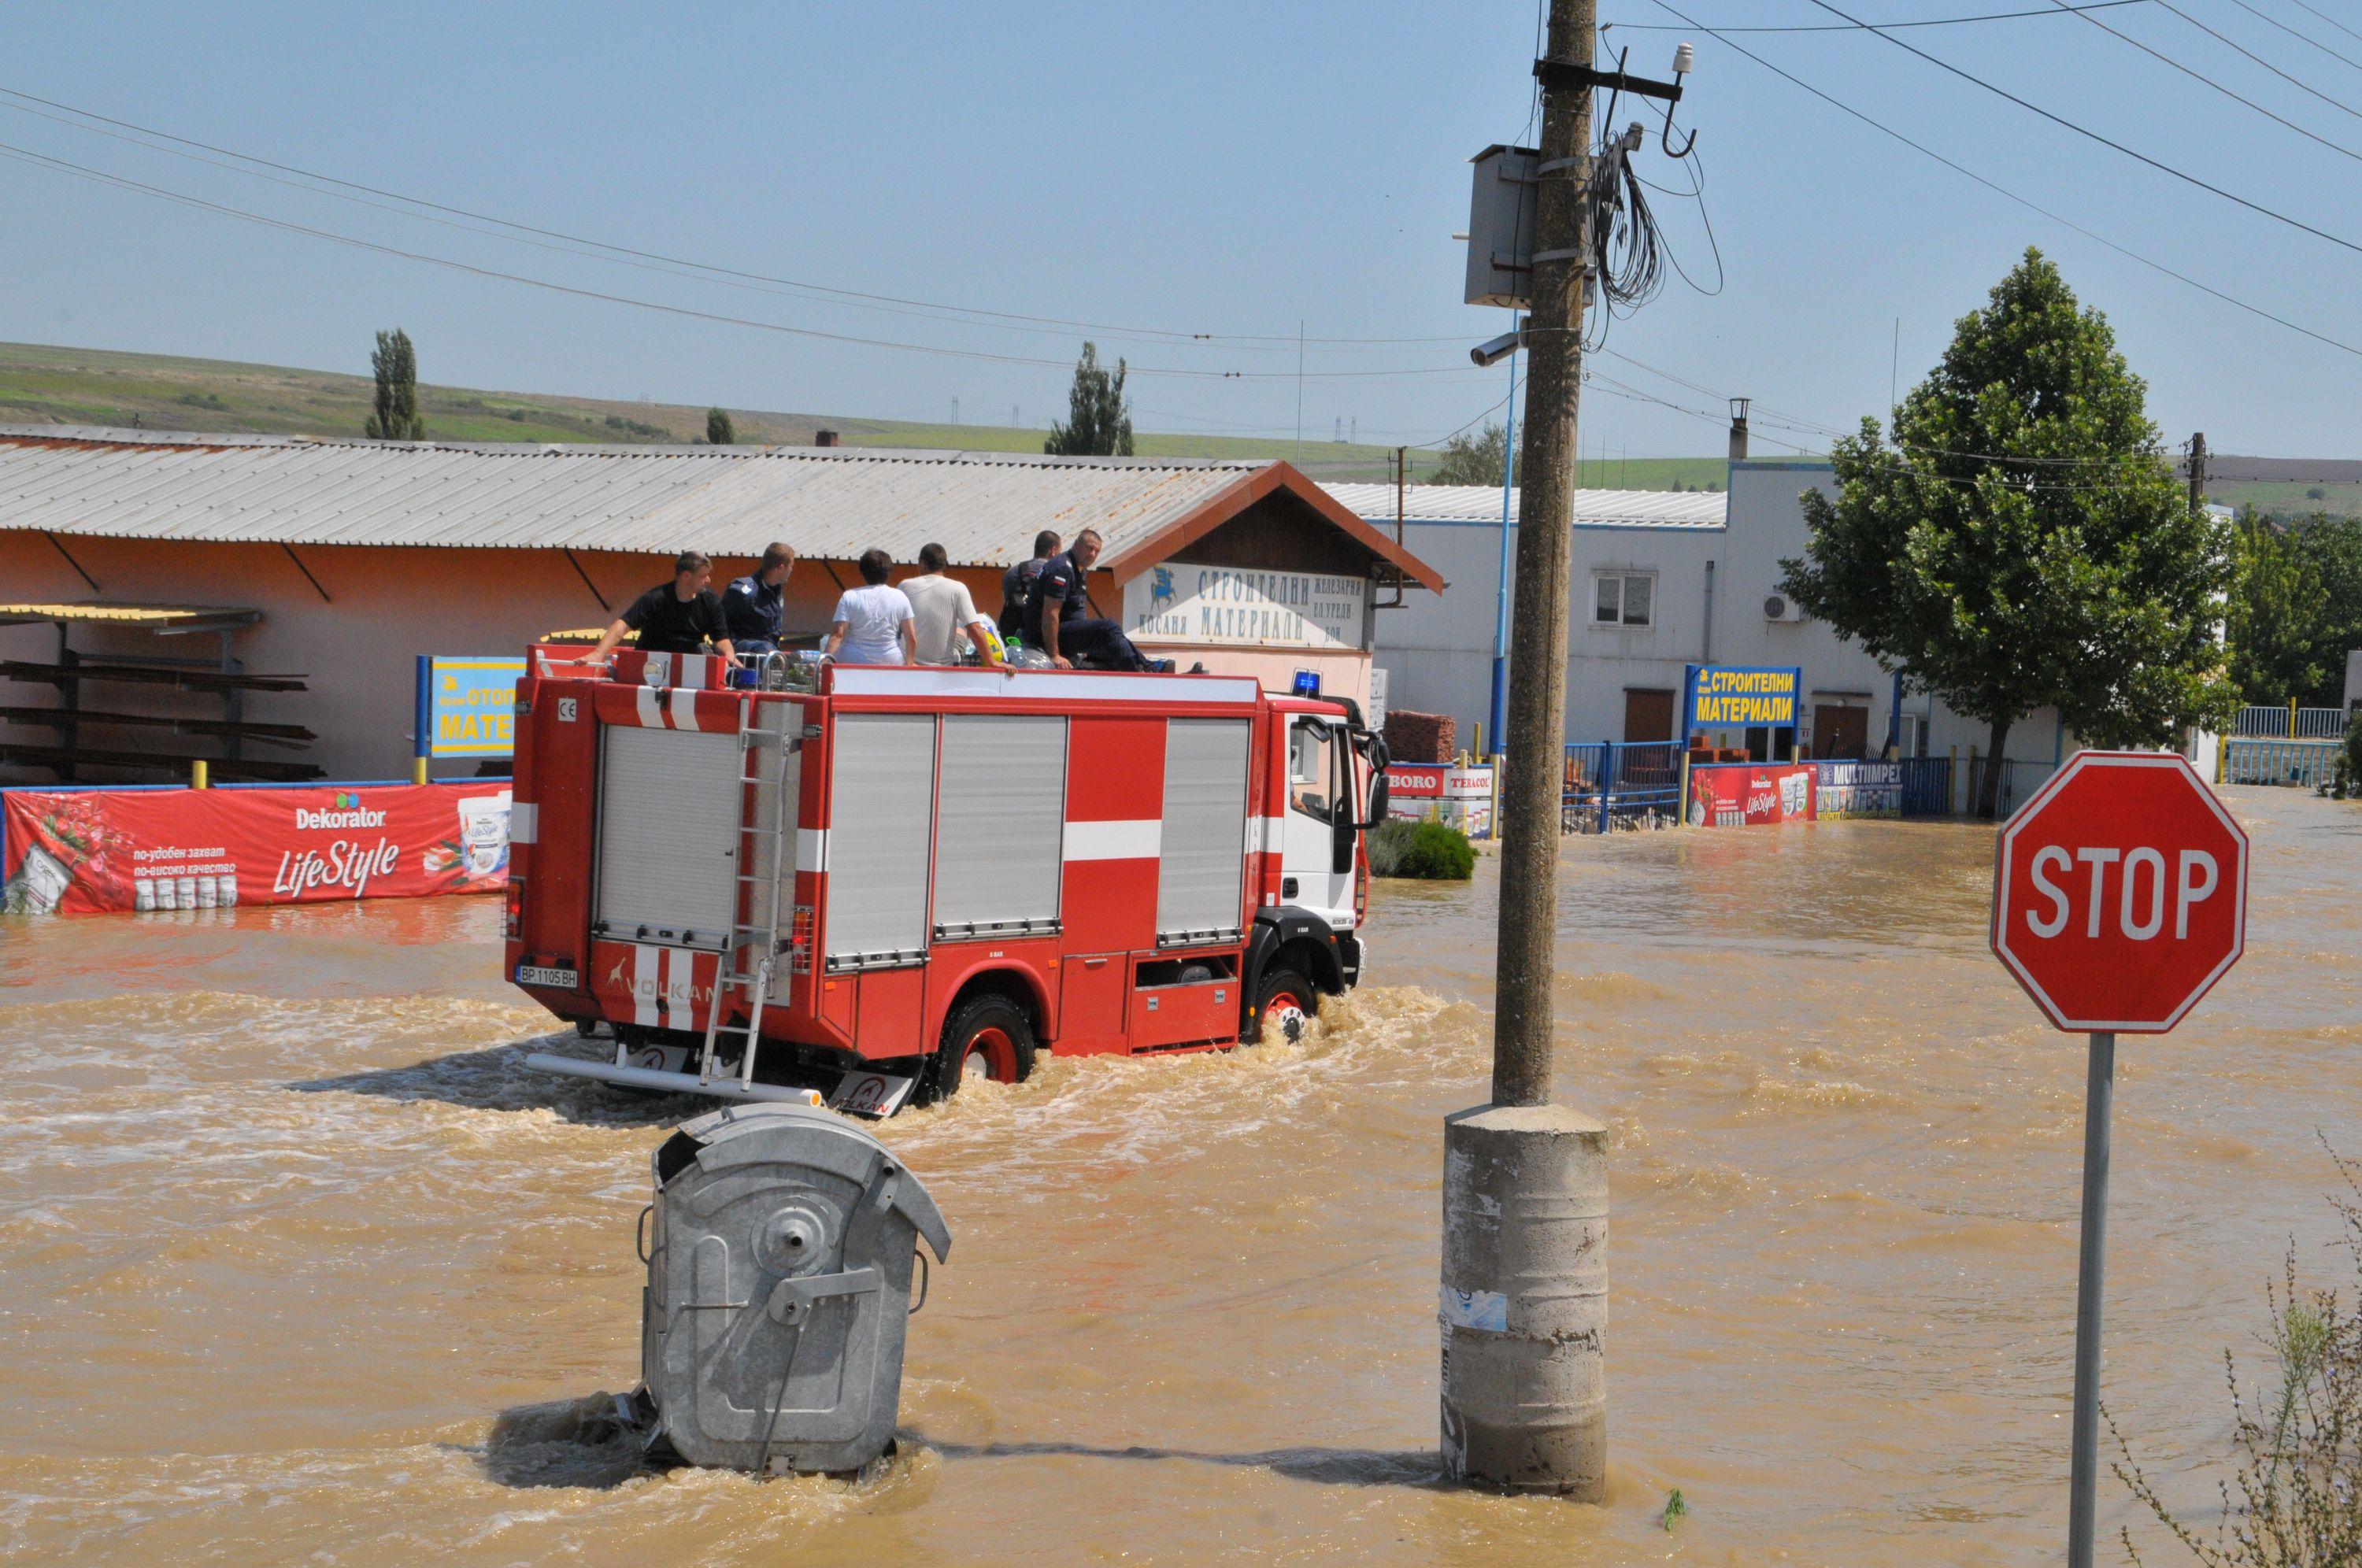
668	805
880	839
1200	887
998	818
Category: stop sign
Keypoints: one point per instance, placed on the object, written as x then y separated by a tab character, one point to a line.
2119	892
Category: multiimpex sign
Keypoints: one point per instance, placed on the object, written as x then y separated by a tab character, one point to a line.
1730	696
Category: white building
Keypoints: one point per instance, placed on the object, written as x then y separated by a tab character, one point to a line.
1662	579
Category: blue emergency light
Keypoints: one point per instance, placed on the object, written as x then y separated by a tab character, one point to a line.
1308	683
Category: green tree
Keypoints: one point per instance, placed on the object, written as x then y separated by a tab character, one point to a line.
718	430
394	414
2296	608
2024	542
1480	459
1099	421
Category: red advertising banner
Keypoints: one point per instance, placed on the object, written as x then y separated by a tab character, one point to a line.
86	851
1735	794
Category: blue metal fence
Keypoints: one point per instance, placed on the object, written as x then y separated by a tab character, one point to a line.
1610	784
2262	722
2308	762
1927	786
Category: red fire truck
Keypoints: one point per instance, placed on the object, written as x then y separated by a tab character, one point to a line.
903	878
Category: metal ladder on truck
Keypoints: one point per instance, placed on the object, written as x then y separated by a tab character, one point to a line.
734	981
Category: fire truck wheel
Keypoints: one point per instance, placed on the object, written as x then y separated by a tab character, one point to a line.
1285	1002
988	1037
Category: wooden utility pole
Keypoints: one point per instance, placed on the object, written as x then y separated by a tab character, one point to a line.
1534	740
2197	470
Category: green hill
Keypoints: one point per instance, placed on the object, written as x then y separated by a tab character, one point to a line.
45	385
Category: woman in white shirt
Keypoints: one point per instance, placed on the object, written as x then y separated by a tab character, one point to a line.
872	623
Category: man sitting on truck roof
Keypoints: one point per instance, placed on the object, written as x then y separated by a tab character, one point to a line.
872	623
1017	582
1053	626
754	606
678	616
944	621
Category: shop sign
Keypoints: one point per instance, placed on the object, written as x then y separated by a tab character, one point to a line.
467	707
1748	794
1736	697
1859	789
81	852
1181	602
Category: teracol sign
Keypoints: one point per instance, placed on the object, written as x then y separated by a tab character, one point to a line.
1733	697
1178	602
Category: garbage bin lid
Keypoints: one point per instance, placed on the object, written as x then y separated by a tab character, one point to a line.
769	1132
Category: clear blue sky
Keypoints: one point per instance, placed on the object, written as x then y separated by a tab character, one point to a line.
1230	168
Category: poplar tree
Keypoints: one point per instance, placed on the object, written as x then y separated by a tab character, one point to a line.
2023	542
394	414
1099	421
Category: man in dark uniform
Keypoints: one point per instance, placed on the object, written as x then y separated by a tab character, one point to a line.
1016	583
1058	620
754	606
678	616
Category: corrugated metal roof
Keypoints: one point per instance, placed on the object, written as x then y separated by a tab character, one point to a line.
983	507
1482	503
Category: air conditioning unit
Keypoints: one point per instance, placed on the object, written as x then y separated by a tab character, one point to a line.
1779	607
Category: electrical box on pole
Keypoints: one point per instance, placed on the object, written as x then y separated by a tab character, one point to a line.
1501	206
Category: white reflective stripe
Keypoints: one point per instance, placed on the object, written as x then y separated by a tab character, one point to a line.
692	672
684	708
905	681
1263	834
524	822
681	987
651	715
811	849
645	960
1140	840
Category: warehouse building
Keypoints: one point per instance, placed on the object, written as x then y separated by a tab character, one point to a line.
261	601
1662	579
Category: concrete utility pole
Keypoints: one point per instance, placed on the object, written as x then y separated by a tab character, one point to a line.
1524	1299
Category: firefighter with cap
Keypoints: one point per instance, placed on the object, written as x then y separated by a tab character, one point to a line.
755	607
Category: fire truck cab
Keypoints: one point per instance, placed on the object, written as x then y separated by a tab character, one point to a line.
904	877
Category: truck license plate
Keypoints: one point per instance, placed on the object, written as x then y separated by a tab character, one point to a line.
540	974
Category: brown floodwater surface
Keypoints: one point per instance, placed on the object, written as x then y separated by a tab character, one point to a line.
298	1262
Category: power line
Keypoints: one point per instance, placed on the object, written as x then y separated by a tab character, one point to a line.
2062	121
60	165
2274	21
2233	45
2333	21
2198	76
2000	190
1274	343
1849	26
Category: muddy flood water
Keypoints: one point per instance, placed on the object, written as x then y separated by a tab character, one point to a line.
298	1262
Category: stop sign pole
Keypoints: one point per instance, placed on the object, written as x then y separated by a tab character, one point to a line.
2120	897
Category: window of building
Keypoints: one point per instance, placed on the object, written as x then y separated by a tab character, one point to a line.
1624	599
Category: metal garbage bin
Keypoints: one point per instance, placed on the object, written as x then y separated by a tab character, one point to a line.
779	1267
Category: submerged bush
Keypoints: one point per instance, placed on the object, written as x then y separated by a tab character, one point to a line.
1400	848
2296	1495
